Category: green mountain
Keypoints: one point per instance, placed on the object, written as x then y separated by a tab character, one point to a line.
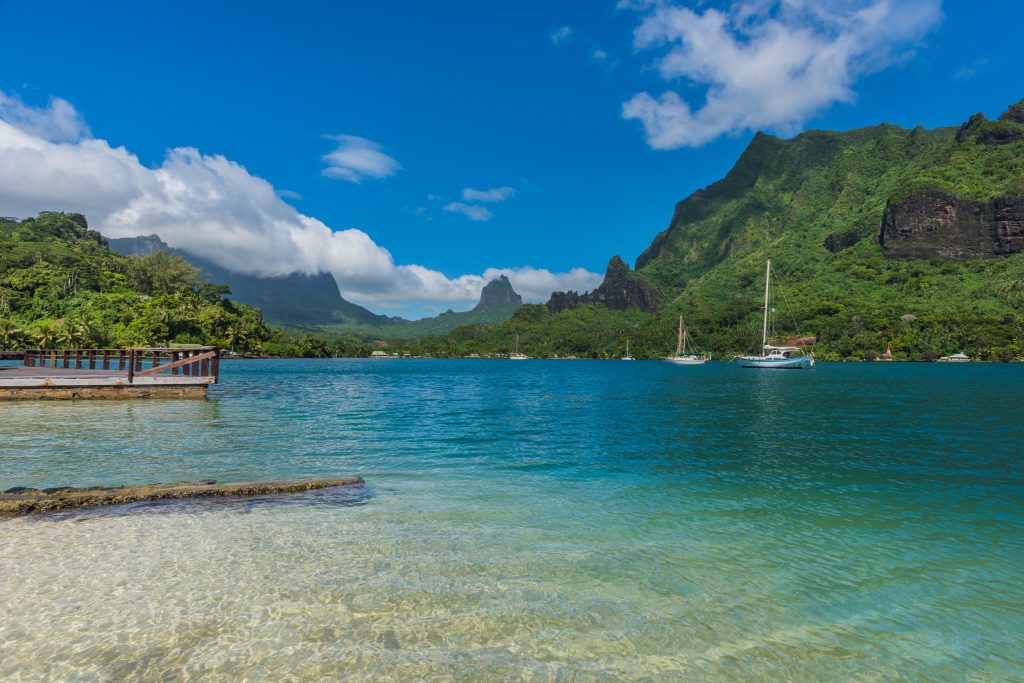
311	303
498	302
295	300
877	235
62	287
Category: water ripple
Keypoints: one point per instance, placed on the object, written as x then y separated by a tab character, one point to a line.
538	521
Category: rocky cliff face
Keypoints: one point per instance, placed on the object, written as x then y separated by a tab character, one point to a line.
621	289
933	224
498	293
929	223
1002	132
1014	113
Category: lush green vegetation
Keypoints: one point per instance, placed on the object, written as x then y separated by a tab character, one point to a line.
813	205
61	287
398	329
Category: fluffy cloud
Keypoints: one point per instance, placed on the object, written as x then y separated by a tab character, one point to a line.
470	211
766	64
496	194
59	121
213	207
356	158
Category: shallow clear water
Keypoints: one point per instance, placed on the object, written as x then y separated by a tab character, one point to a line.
539	521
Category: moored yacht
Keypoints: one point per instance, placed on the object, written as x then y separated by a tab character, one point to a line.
775	357
517	355
681	357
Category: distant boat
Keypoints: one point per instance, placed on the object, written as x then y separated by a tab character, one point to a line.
517	355
681	357
778	357
627	356
956	358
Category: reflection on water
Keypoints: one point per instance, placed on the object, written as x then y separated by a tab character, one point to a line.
580	521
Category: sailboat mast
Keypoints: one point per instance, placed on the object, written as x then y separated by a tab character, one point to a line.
764	329
679	340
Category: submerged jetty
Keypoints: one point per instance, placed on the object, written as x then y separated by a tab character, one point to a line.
112	373
24	501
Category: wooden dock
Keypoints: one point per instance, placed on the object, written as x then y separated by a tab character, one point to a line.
112	373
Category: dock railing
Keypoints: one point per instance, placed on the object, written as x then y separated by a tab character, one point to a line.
193	361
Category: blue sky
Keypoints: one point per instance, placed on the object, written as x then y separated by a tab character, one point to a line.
424	101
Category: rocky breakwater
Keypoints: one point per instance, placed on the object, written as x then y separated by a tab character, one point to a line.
22	501
621	289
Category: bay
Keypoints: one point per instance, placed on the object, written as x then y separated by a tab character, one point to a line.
542	520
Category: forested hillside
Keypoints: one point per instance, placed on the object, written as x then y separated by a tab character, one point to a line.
879	235
62	287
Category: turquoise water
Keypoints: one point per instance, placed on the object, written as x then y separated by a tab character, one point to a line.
537	521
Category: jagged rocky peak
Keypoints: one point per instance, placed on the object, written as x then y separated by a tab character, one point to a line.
969	125
621	289
498	293
1015	113
1003	131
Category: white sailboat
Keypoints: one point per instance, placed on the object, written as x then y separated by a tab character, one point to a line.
627	356
776	357
681	357
517	355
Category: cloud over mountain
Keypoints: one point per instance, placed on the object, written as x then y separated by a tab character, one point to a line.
213	207
765	64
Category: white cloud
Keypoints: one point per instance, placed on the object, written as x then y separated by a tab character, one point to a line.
496	194
561	35
766	64
598	54
536	284
471	211
58	122
289	194
356	158
210	206
969	71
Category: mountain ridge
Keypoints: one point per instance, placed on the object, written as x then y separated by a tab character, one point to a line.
295	299
312	303
858	268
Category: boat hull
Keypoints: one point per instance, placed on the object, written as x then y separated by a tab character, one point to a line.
686	361
776	363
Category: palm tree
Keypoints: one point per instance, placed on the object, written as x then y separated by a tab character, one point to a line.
236	335
11	336
45	333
